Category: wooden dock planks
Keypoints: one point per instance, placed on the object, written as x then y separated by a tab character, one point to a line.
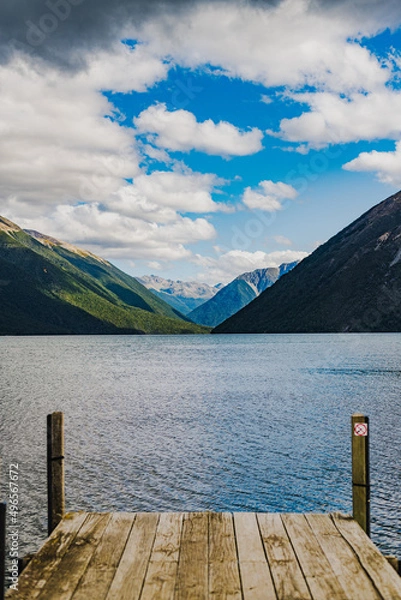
200	556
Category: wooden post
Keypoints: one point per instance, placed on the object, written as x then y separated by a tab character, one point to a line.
360	471
3	507
55	469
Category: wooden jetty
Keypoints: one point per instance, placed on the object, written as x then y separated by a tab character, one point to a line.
200	556
207	555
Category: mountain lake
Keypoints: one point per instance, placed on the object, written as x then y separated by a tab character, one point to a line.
207	422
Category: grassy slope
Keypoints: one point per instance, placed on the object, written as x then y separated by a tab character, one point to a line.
53	290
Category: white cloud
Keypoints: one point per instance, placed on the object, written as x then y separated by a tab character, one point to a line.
64	166
113	235
180	131
124	69
160	195
292	43
387	165
334	119
268	196
55	144
229	265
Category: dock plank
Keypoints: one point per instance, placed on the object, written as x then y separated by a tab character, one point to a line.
130	574
161	576
224	577
64	580
287	575
344	562
215	556
192	578
104	562
384	577
46	561
319	576
256	580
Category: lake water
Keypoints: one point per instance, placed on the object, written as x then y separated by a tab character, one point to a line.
203	422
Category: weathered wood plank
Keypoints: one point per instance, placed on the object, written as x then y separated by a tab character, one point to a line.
343	560
256	580
48	558
65	578
163	565
55	470
160	581
192	577
317	571
360	470
98	576
208	555
287	575
130	574
168	538
385	579
224	578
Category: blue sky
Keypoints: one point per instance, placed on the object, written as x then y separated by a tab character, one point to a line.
203	143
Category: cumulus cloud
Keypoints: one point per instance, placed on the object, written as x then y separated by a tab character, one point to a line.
65	31
161	194
179	130
334	119
387	165
292	43
268	196
55	144
123	68
65	169
229	265
114	235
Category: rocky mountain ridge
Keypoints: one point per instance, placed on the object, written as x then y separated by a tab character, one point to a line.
237	294
352	283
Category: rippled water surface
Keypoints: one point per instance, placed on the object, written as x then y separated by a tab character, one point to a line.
204	422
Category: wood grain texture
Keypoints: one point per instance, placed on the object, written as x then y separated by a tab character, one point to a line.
384	577
192	577
287	576
200	556
55	469
343	561
320	578
160	581
130	574
224	577
106	558
36	575
255	574
65	578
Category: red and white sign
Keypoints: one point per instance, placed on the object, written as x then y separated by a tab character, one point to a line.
361	429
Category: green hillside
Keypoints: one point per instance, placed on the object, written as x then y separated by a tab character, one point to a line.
47	287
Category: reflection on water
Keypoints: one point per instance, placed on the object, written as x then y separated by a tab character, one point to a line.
204	422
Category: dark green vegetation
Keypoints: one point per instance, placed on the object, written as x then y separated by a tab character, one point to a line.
47	287
352	283
237	294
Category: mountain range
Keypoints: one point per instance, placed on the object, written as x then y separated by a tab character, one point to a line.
352	283
237	294
50	287
184	296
